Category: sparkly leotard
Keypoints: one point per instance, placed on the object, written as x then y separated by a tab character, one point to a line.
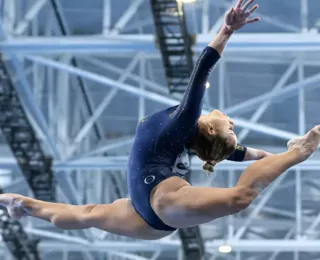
159	149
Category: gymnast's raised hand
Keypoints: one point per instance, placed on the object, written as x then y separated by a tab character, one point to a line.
161	200
238	16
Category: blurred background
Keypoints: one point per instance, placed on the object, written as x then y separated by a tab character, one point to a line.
77	76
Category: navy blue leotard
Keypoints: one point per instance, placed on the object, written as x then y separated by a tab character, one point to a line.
159	151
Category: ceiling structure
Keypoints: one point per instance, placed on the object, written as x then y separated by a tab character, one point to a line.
268	81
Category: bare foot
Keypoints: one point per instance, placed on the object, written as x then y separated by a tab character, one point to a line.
14	205
306	145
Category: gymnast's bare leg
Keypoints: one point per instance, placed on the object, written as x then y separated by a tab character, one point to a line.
180	205
119	217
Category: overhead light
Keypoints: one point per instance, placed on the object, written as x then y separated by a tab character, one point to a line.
225	249
187	1
207	85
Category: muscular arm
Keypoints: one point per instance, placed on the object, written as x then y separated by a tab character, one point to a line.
191	104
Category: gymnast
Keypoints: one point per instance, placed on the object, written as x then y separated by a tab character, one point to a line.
161	201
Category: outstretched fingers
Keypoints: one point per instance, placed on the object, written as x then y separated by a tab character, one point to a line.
239	4
247	4
255	7
253	20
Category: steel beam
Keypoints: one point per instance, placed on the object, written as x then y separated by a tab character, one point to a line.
106	17
107	66
14	237
142	103
278	23
103	148
58	236
125	18
30	15
302	126
28	97
23	142
304	15
102	106
63	28
137	25
259	112
120	163
62	108
159	98
269	245
274	95
205	16
298	205
301	100
91	121
312	227
221	85
242	42
266	196
8	13
126	256
270	20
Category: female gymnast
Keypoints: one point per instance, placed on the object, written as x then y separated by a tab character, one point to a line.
160	199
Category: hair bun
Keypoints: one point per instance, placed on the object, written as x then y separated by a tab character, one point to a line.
209	166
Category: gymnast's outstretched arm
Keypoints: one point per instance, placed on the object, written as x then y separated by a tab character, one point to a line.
191	105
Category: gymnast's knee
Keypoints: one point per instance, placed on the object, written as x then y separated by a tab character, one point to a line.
242	198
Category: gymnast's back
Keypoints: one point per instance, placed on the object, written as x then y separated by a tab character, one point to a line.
160	138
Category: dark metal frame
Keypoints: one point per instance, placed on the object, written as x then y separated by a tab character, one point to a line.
22	139
174	42
16	240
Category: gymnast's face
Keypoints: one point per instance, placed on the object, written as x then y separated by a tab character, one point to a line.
219	123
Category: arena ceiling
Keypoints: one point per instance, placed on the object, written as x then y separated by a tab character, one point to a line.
268	81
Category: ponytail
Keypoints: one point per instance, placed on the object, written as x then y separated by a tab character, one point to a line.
209	167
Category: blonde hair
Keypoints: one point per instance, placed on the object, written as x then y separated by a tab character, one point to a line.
212	149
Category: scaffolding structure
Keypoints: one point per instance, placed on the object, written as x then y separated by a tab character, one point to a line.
174	42
119	63
21	137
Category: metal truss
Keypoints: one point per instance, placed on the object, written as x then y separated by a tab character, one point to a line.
83	88
16	128
240	43
16	240
174	42
274	227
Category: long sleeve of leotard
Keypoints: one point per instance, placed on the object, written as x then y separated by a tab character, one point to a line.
191	104
239	154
